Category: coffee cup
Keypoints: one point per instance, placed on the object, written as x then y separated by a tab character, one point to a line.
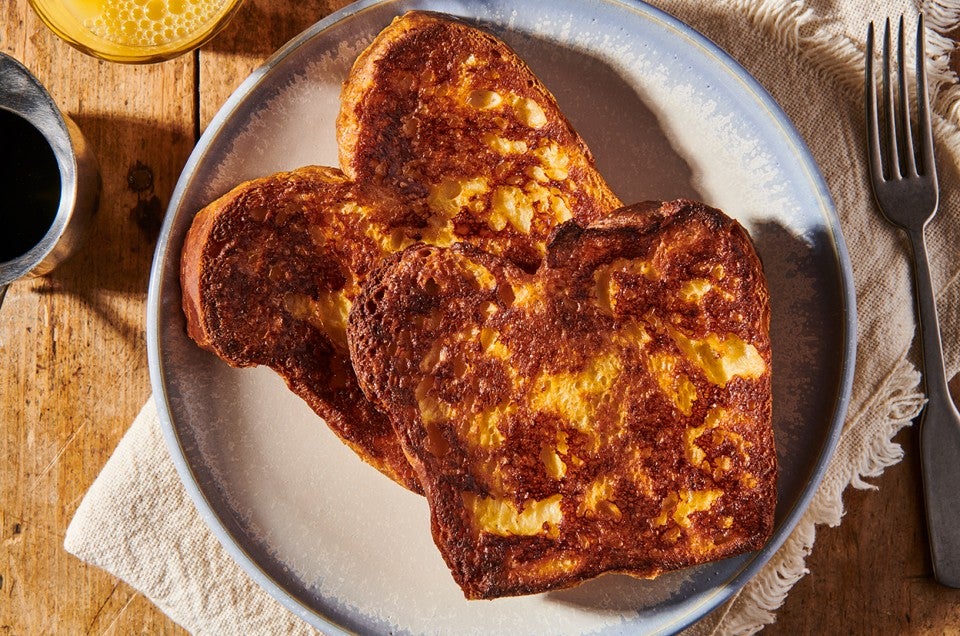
49	179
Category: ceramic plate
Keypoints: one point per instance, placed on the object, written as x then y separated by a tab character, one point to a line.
667	115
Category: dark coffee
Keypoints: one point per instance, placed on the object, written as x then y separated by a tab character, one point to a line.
29	186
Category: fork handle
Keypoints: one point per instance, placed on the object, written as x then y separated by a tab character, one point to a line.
934	373
939	432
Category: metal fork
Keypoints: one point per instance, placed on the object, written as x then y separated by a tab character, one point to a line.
905	188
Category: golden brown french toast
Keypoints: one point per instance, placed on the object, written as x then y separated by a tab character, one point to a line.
611	412
445	135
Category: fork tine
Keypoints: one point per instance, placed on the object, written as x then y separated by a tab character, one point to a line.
889	116
907	162
873	131
924	130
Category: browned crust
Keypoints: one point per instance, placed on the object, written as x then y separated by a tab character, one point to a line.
248	260
191	264
416	334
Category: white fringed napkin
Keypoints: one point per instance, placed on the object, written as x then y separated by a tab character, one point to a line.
138	523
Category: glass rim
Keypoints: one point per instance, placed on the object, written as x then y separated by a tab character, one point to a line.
111	51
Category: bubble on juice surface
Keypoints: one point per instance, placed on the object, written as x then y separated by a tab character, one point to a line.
151	22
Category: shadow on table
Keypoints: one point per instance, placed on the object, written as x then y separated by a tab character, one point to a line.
140	162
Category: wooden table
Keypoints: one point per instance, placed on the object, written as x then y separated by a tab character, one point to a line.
74	361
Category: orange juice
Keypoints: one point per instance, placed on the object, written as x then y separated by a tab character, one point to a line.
135	30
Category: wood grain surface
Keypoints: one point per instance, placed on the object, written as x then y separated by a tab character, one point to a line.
73	361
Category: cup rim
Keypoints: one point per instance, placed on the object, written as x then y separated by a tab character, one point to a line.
22	94
146	54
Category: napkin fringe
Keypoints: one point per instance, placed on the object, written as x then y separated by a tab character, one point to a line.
834	57
942	18
902	404
839	58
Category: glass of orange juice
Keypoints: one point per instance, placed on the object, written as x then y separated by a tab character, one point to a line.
135	30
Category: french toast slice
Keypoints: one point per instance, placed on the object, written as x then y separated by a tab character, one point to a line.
609	413
445	136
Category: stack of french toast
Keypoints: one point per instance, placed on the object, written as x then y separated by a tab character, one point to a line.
576	386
